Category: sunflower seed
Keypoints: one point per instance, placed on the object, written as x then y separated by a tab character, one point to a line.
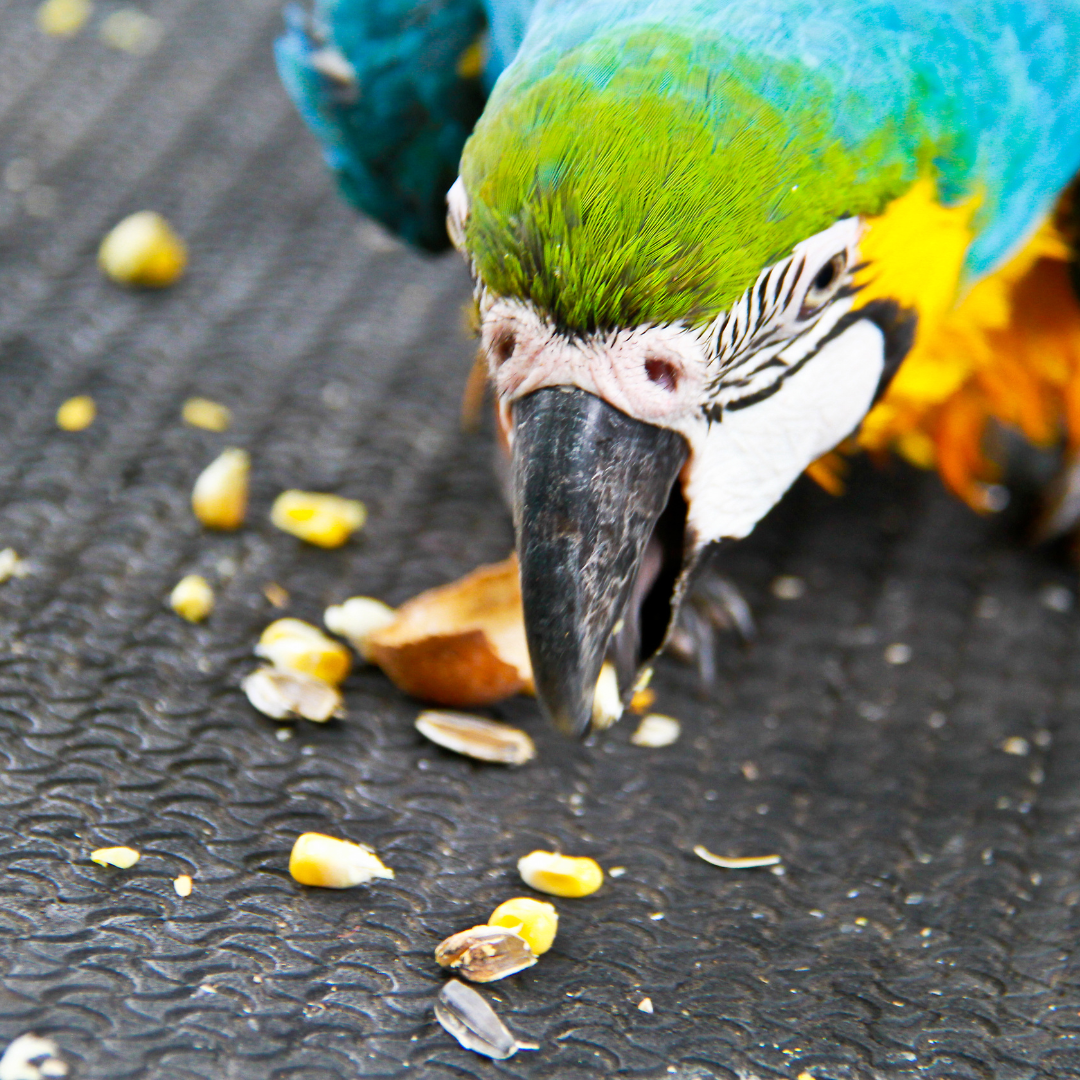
464	1014
485	740
485	953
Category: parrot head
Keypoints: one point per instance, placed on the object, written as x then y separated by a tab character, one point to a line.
665	245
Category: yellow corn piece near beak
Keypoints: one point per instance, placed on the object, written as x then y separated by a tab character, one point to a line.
123	857
535	920
220	495
295	645
143	250
334	864
192	599
76	414
560	875
324	520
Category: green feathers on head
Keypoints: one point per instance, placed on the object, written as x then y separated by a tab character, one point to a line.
650	178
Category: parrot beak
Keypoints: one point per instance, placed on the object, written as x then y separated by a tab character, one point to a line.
590	484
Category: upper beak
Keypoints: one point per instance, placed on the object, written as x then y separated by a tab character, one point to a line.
589	484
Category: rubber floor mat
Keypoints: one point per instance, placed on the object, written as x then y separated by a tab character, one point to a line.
926	812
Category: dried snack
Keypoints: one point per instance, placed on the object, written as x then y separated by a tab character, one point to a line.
607	702
357	619
485	953
750	862
485	740
206	414
560	875
76	414
143	250
461	645
536	921
192	598
183	885
285	695
330	863
122	857
295	645
324	520
656	730
220	495
465	1014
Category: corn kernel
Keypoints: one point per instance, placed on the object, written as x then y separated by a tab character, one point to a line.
143	250
325	520
11	566
295	645
132	31
334	864
203	413
63	18
220	495
607	702
284	695
123	857
560	875
192	599
535	920
656	730
357	619
183	885
76	414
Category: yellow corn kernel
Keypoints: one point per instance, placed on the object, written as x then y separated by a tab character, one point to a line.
357	619
192	599
656	730
325	520
295	645
143	250
607	701
203	413
123	857
220	495
334	864
76	414
535	920
63	18
560	875
183	885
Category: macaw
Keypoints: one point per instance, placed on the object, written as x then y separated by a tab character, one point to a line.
712	241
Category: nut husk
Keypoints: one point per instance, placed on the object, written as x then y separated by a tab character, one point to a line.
485	740
485	953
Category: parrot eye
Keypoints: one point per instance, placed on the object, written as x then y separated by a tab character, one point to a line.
823	286
502	346
662	373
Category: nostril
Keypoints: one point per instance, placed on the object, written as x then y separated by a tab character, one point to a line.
502	346
662	372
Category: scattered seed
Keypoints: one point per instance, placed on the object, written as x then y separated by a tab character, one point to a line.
656	730
76	414
788	587
296	646
1056	598
560	875
220	495
536	921
203	413
131	30
284	695
143	250
334	864
123	857
277	596
646	1005
1016	745
11	566
485	953
750	771
324	520
283	734
63	18
607	701
897	653
616	871
192	599
183	885
484	740
30	1057
357	619
465	1015
750	862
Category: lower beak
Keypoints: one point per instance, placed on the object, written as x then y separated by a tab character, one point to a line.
590	483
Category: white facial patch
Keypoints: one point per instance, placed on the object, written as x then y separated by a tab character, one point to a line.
741	466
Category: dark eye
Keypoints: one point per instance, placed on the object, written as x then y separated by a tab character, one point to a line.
823	286
662	372
502	346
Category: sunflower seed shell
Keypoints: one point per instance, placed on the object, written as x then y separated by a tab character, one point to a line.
484	740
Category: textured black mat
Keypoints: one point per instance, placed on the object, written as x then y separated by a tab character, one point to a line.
926	924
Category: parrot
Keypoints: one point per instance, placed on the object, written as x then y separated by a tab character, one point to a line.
715	244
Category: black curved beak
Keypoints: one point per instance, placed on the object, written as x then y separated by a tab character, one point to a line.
589	483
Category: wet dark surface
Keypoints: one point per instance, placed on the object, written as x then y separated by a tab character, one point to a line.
926	923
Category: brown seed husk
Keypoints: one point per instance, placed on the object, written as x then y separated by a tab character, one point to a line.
461	645
485	740
485	953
